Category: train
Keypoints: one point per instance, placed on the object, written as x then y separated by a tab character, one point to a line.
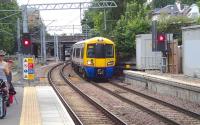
94	58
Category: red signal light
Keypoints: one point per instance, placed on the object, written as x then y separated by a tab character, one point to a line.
161	38
26	42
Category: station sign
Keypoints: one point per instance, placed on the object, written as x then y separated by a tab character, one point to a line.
28	69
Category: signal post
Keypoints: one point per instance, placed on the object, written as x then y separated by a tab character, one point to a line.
28	58
159	43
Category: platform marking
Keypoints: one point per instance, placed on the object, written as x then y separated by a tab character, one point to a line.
30	108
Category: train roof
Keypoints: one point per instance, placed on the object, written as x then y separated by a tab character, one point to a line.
95	39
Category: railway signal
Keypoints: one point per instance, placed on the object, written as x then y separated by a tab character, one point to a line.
26	43
161	38
161	42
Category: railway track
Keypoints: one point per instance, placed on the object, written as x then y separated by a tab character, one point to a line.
130	114
169	113
82	108
158	109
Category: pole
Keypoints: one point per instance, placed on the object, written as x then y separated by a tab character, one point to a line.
154	35
19	47
41	43
44	43
86	33
25	19
55	46
80	12
18	36
105	25
73	30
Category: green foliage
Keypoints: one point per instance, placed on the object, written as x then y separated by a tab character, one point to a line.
94	18
130	19
198	21
198	3
134	22
174	25
8	26
163	3
122	24
189	2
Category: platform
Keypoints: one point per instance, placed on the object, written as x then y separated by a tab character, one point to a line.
165	85
36	105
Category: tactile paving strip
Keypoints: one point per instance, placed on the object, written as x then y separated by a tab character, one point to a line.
30	108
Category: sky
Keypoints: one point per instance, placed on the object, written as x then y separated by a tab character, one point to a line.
58	17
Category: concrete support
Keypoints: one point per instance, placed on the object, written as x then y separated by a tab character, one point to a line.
165	86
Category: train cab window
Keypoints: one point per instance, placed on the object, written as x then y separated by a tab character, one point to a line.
109	52
77	52
90	51
82	51
99	51
73	52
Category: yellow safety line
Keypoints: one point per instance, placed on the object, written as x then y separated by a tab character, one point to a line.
30	109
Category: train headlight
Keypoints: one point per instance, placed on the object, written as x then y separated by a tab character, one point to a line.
111	63
90	62
100	40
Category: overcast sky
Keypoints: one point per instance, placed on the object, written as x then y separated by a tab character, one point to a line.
61	17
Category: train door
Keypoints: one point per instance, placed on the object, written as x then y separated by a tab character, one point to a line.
100	60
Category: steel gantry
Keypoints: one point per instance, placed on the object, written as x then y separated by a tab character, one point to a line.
75	5
62	6
60	28
65	6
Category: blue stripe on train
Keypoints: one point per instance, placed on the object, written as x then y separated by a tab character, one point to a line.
91	72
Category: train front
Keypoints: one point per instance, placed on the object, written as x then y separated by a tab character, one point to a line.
100	58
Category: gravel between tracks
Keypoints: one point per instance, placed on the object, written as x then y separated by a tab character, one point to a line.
126	112
165	111
87	113
191	106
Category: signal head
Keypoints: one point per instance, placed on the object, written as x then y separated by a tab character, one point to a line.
161	38
26	42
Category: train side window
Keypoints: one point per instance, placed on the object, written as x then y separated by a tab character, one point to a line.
77	52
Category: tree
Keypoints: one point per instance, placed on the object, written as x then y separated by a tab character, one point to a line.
189	2
123	23
95	19
163	3
8	22
134	22
198	3
174	25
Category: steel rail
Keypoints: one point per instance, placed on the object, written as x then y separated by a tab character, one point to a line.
114	118
167	120
190	113
72	114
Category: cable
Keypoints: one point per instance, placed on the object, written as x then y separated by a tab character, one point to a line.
9	16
